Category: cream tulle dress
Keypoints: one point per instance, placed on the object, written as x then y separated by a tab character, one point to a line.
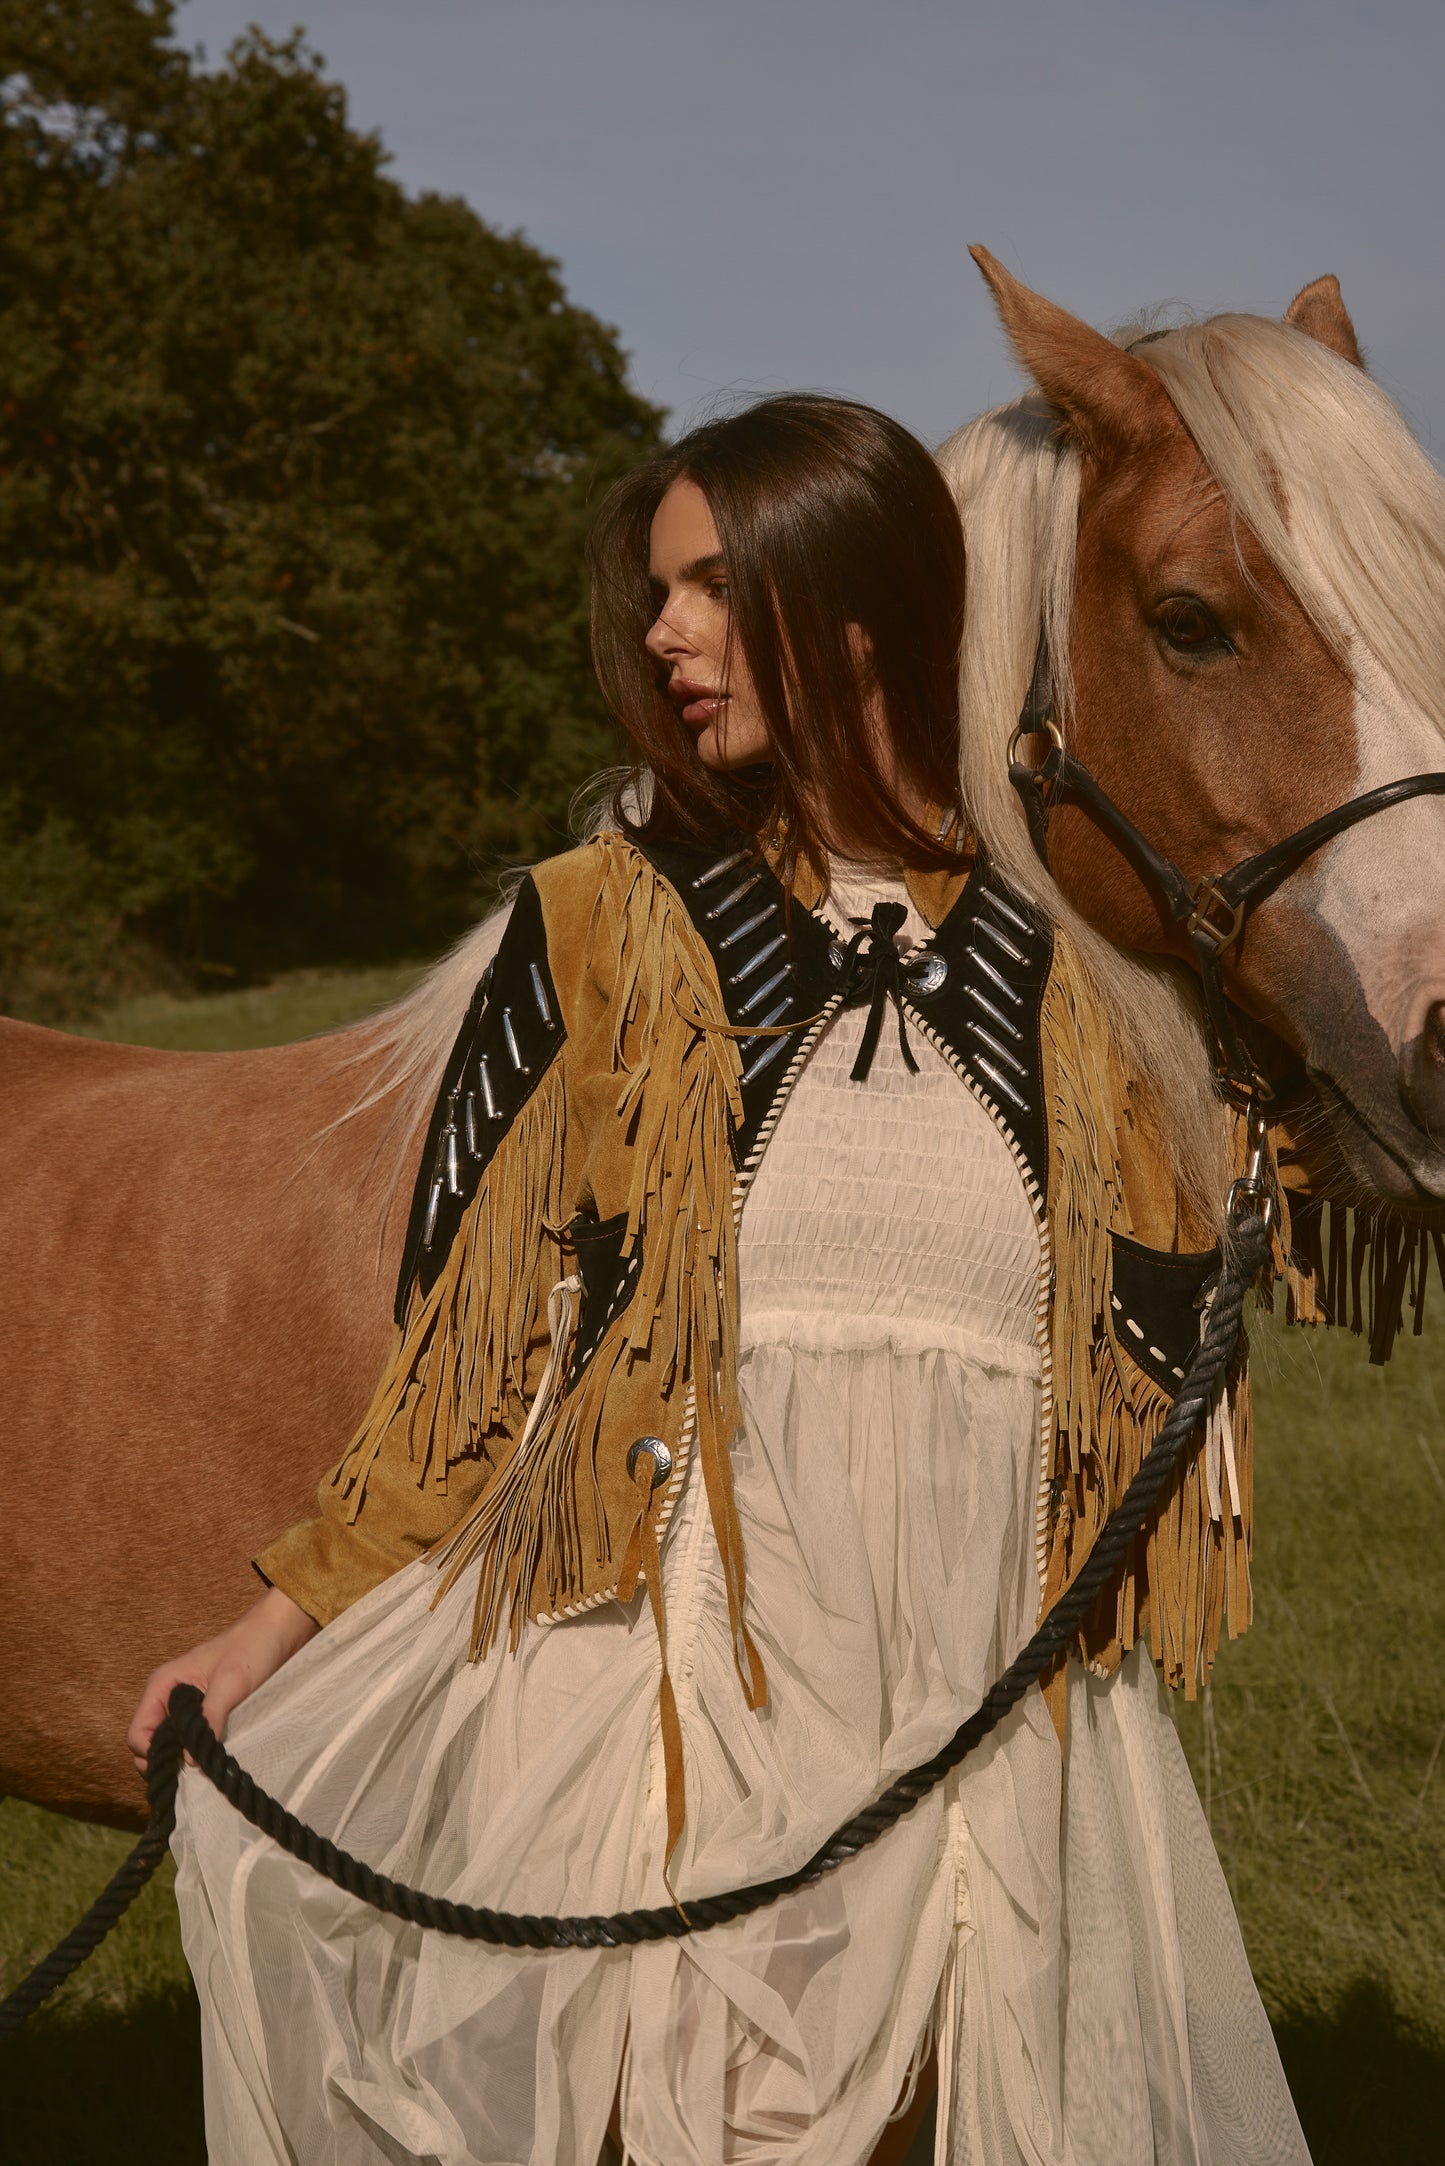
1057	1922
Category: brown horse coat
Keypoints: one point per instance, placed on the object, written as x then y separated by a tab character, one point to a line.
196	1305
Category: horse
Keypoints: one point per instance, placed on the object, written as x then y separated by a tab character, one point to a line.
1235	554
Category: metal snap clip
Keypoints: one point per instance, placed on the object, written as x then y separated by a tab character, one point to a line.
837	957
927	973
657	1452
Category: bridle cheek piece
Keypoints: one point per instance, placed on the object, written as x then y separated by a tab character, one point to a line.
1213	909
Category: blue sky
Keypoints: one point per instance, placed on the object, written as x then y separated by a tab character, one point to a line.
764	194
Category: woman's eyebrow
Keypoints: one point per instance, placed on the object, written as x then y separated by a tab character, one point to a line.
702	567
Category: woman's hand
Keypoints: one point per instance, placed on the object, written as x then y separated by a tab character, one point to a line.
227	1669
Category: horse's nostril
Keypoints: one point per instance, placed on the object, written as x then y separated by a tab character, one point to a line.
1434	1034
1422	1071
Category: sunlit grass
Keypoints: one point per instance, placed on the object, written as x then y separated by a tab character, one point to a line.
297	1005
1320	1752
108	2073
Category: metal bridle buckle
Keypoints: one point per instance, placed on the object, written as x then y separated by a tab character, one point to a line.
1203	921
1047	728
1249	1197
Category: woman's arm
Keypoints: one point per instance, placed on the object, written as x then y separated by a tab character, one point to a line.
228	1668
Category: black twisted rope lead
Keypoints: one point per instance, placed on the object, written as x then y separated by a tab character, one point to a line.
186	1727
1246	1251
163	1769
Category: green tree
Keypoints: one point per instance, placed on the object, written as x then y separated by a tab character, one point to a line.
294	475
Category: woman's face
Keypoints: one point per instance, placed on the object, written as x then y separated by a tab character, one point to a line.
711	688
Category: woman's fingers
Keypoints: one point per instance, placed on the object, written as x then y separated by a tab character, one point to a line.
155	1700
227	1670
230	1683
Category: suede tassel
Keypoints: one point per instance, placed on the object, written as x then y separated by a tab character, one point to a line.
1362	1268
540	1534
1189	1583
455	1377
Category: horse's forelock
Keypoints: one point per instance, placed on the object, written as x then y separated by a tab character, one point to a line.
1320	464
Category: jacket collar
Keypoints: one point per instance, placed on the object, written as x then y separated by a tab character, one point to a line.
976	988
933	894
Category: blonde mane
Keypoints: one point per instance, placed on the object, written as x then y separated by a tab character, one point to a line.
1016	479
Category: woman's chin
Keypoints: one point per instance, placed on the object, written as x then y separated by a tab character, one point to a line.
721	753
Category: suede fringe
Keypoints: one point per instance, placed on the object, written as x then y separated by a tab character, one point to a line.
455	1377
1190	1579
1362	1268
539	1532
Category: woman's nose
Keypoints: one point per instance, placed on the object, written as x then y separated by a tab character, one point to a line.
665	640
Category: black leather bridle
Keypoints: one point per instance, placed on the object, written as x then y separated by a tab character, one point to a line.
1213	909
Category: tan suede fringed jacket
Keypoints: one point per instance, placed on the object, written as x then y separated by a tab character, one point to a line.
567	1315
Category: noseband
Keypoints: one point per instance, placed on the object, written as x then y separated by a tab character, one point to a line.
1213	909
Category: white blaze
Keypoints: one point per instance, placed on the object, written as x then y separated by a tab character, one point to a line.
1380	887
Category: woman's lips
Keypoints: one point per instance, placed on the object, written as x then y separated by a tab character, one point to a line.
699	706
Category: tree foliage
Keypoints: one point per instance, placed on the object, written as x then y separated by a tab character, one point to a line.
294	473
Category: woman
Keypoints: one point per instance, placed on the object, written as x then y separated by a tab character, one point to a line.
765	1194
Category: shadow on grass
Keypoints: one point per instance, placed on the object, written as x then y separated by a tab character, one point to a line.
105	2086
110	2087
1368	2089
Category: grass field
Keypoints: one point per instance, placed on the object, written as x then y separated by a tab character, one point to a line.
1320	1754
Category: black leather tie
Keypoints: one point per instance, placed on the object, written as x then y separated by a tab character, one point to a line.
873	971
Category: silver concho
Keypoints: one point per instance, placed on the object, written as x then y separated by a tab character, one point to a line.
927	973
659	1454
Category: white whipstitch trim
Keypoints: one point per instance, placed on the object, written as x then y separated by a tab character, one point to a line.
676	1482
747	1173
1045	1292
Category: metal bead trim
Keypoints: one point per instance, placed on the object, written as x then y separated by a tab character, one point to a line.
749	925
724	864
1005	946
514	1051
1006	912
756	961
768	986
733	897
994	976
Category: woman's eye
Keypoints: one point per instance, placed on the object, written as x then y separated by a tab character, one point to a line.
717	589
1190	626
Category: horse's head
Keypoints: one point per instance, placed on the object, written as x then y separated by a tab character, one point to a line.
1256	634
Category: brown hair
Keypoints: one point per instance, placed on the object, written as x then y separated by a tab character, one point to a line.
830	515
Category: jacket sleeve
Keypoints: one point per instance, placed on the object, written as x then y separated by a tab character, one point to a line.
481	1252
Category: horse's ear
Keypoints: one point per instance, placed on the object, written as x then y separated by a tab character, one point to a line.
1110	397
1319	309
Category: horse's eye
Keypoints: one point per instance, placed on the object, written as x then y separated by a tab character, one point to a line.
1190	626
